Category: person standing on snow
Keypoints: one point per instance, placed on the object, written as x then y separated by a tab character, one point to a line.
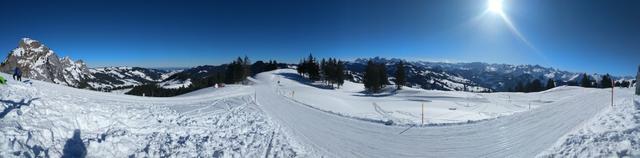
17	74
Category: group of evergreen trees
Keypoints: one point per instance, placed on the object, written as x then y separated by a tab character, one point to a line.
260	66
238	70
623	84
332	71
154	90
235	72
535	86
309	67
605	82
375	77
586	81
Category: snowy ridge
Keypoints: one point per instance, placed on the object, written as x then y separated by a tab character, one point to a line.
110	78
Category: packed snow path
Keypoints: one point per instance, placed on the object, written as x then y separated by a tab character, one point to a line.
521	135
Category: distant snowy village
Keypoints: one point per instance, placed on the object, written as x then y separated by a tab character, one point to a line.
368	107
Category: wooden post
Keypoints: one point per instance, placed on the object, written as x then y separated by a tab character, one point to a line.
423	113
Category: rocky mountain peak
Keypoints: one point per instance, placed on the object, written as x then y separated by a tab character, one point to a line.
39	62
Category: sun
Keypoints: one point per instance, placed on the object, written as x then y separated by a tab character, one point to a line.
495	6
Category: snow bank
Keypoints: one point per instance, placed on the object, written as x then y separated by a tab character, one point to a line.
614	132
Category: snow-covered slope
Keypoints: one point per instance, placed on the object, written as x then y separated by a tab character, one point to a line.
404	107
48	120
108	78
39	62
186	77
523	134
615	132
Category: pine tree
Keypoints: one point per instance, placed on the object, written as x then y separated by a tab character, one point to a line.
301	67
340	73
534	86
550	84
246	68
400	75
585	82
382	71
372	77
313	69
606	81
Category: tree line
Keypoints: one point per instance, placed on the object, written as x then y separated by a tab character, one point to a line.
586	81
535	86
375	76
330	71
235	72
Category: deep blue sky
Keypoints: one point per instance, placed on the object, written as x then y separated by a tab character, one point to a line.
593	36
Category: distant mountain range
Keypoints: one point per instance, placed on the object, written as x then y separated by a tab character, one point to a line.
39	62
475	76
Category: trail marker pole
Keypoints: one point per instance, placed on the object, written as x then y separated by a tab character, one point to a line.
422	113
612	86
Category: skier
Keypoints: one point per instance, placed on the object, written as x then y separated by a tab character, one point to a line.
17	74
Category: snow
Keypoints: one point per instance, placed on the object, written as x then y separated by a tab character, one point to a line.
524	134
174	84
404	106
169	74
54	120
297	118
615	132
141	75
28	41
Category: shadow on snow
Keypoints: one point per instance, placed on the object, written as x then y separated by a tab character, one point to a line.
14	105
74	147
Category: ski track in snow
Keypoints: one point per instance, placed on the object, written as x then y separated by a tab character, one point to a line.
521	135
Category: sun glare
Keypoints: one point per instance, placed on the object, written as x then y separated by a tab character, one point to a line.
495	6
